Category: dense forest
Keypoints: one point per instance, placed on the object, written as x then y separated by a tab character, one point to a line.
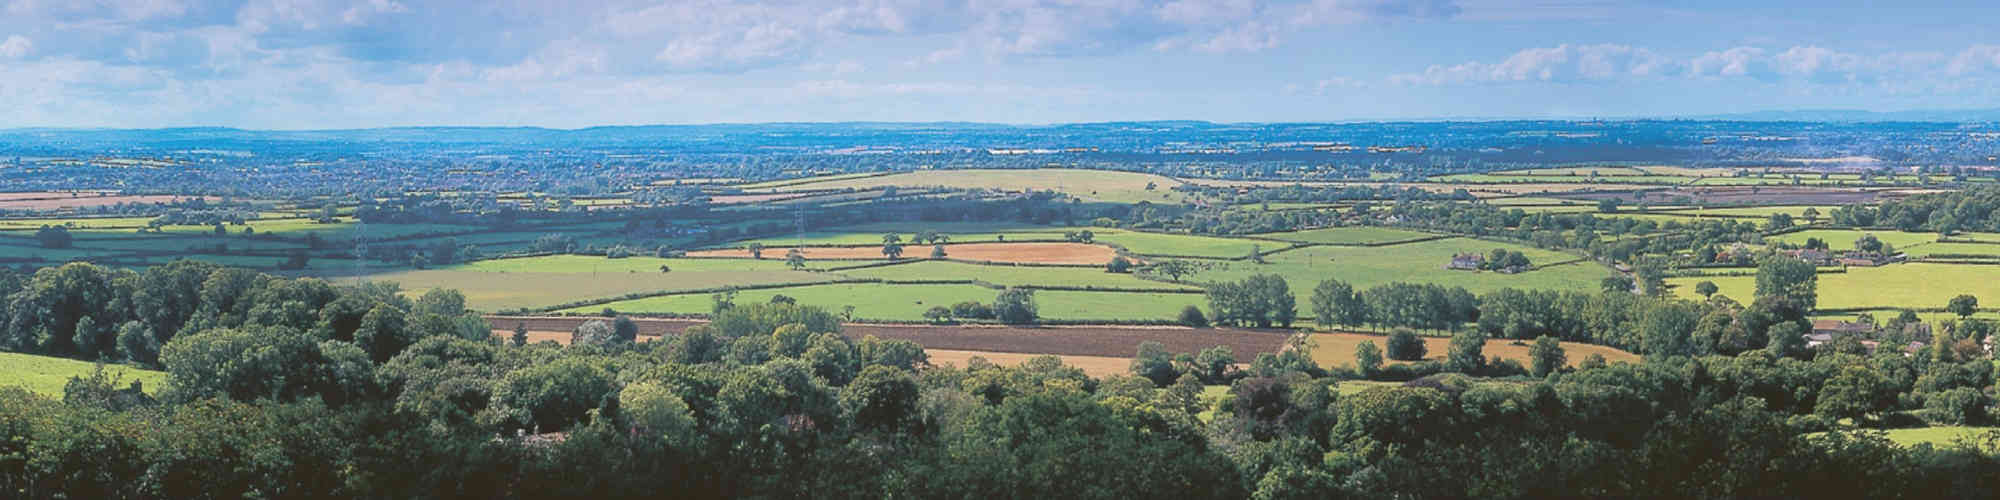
297	388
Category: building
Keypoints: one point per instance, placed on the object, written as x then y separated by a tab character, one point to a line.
1466	262
1812	256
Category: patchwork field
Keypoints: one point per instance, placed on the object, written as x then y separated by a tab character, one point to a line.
1095	366
1349	235
1421	262
1031	253
908	302
1006	275
1843	239
1911	285
1088	185
47	376
1337	349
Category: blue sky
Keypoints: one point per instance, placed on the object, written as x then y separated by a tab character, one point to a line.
303	64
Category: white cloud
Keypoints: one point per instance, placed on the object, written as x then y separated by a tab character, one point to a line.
1563	63
16	47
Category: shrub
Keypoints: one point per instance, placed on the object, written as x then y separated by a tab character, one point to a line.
1192	317
1404	345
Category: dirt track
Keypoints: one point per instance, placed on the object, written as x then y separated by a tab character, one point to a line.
1107	341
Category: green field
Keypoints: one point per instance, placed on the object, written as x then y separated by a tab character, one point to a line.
1912	285
1942	435
47	375
1088	185
908	302
1349	235
1006	275
1421	262
1185	244
1930	249
1843	239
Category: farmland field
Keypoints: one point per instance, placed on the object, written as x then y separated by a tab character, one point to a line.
1911	285
908	302
1939	436
1349	235
1183	244
1843	239
46	375
1005	275
1942	248
492	286
1095	366
1337	349
1036	253
1421	262
1088	185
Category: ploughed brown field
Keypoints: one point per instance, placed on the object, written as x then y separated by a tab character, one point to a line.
1024	252
1100	341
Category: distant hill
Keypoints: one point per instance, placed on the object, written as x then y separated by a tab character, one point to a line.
1856	115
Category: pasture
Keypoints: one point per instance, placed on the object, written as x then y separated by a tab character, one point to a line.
1087	185
876	301
1359	235
1913	285
1026	253
1006	275
545	281
1337	349
1420	262
1095	366
47	375
1843	239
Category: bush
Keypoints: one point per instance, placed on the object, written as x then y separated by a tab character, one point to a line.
1960	406
1404	345
1192	317
971	310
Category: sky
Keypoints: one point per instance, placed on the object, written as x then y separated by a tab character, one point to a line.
318	64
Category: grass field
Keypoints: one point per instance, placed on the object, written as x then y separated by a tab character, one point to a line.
1337	349
1088	185
1348	235
908	302
1911	285
1005	275
1930	249
1942	435
1422	262
1184	244
47	375
1843	239
1095	366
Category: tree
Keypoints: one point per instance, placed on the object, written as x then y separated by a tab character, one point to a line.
1811	215
1546	356
1787	340
1856	392
1404	345
938	314
1015	306
937	251
1963	306
1154	362
1367	359
623	329
593	332
1608	205
1616	284
892	246
1213	364
520	334
757	250
881	398
1706	288
53	237
1789	278
1174	269
1334	302
795	259
1468	352
1119	264
1192	317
